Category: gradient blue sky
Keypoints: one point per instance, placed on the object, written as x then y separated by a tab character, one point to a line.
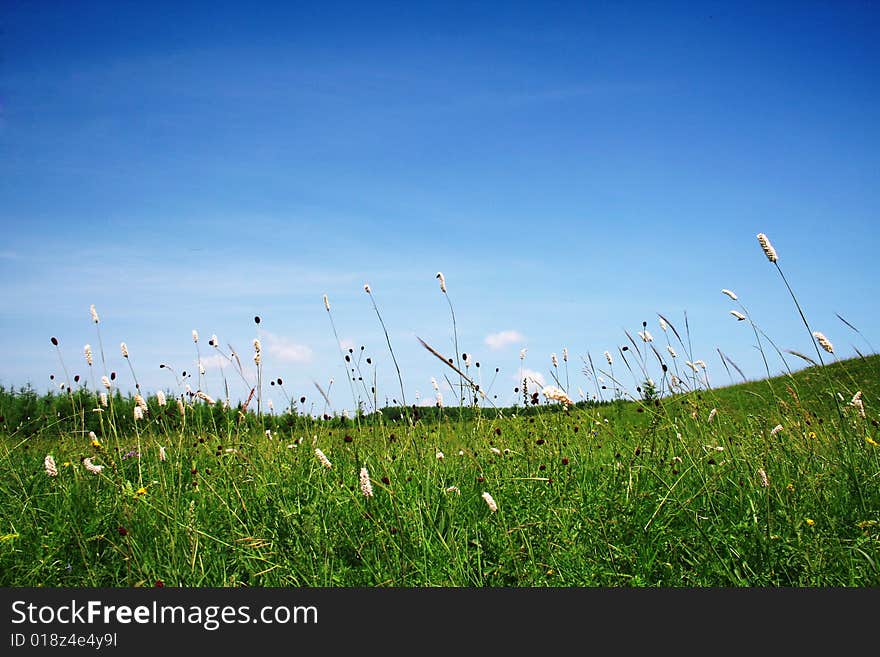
572	168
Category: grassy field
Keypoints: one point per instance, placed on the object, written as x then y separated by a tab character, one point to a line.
766	483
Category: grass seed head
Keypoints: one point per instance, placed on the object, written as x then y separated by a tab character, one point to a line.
769	251
490	502
729	293
442	280
94	314
49	464
366	486
92	467
323	458
824	342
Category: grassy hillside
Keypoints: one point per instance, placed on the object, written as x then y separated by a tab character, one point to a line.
767	483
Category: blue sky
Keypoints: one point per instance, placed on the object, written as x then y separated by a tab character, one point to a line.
572	168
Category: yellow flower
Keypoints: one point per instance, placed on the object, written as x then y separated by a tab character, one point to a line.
141	491
810	522
871	441
67	464
790	488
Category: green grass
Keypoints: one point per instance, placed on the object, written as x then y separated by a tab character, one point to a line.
616	494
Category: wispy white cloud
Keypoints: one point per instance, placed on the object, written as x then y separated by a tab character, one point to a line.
285	349
214	361
533	377
503	339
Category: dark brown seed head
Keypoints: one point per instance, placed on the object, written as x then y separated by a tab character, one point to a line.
54	340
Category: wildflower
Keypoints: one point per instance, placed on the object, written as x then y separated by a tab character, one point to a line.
495	451
141	491
769	251
105	381
823	342
124	349
269	434
453	489
327	303
775	429
323	459
366	486
442	279
94	313
138	413
94	440
671	351
790	488
140	401
608	358
162	455
810	522
764	481
160	398
691	365
646	336
195	336
91	467
871	441
565	354
729	293
493	507
663	324
87	350
552	392
712	414
367	289
738	315
49	464
701	363
461	452
103	397
180	407
207	398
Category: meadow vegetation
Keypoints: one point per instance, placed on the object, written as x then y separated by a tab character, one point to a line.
678	483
